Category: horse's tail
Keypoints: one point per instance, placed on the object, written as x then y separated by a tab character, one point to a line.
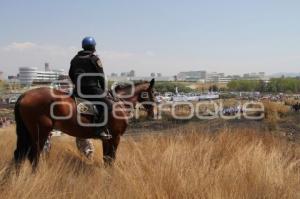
23	137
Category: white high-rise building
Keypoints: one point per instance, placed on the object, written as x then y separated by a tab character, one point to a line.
30	75
27	75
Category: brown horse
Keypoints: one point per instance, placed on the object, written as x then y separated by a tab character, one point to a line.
35	108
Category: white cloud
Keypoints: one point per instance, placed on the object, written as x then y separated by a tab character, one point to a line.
20	46
34	48
30	47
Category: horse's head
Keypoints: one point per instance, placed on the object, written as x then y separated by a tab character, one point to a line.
141	92
146	97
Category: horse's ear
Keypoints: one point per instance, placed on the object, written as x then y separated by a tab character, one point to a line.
152	83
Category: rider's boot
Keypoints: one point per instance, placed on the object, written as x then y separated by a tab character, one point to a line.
103	133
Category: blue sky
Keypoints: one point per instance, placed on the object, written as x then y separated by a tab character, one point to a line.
154	36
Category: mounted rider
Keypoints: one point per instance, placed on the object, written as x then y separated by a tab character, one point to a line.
86	62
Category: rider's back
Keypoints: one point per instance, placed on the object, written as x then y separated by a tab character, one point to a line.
85	62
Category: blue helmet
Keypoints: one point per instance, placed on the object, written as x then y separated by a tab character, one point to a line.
89	43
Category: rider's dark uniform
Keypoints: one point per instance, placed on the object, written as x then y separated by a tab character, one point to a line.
87	62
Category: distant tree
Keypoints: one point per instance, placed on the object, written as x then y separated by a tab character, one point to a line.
233	85
213	88
175	78
171	86
284	85
244	85
262	86
291	85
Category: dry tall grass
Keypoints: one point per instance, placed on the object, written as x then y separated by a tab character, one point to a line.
274	111
291	101
190	164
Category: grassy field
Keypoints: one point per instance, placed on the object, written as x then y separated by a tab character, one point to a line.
190	163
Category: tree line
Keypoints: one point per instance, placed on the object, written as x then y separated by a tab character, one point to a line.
285	85
171	87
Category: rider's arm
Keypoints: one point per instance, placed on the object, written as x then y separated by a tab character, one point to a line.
71	73
99	69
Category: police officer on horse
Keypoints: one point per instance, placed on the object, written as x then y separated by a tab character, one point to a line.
86	62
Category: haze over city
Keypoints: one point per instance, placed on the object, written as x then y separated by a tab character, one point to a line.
154	36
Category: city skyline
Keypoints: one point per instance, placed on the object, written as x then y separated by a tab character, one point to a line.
135	73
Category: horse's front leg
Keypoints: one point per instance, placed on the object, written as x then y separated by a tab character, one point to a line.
109	150
85	147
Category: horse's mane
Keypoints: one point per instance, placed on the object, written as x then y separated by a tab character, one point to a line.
125	85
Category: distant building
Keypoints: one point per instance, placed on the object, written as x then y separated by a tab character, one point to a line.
31	75
124	74
214	77
12	77
224	80
255	76
192	75
204	77
47	67
218	78
140	78
235	77
114	75
131	73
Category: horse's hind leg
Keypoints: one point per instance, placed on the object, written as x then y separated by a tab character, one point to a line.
37	148
43	130
21	152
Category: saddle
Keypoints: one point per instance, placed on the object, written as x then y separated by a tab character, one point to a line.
86	107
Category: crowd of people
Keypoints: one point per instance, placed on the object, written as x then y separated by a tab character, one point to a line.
296	107
4	122
232	111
